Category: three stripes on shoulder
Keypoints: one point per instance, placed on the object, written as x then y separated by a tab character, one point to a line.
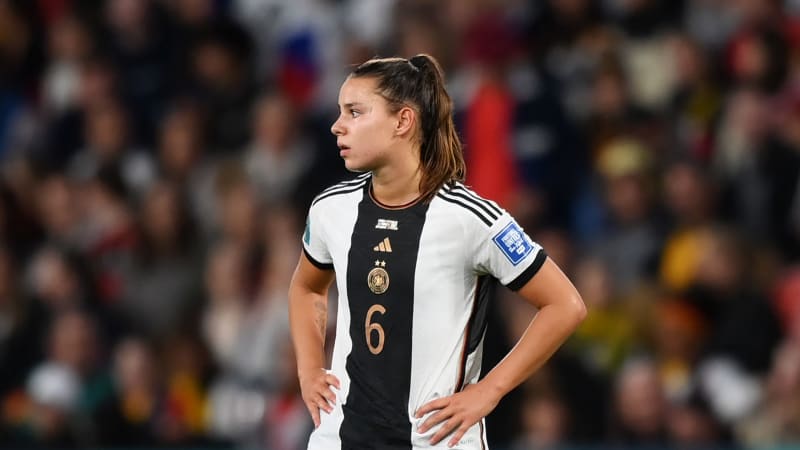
486	210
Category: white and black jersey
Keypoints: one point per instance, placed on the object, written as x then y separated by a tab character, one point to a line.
413	287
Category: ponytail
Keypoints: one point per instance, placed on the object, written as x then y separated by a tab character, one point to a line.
419	82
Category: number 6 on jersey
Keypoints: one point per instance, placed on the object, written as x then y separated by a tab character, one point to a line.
370	327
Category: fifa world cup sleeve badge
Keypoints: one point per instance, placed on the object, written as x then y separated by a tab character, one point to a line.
378	278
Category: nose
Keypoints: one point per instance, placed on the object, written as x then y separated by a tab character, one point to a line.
336	128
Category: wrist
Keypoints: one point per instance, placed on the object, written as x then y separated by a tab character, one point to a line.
494	388
309	370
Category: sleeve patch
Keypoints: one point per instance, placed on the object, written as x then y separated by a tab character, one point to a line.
512	241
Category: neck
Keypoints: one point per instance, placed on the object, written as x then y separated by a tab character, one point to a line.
397	184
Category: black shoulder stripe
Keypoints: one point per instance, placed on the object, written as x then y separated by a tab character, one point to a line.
537	263
344	185
317	264
474	201
345	190
347	183
490	204
465	205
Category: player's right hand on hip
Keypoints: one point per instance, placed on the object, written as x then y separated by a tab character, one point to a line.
315	386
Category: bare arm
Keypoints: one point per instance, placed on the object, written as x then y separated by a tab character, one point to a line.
561	310
308	315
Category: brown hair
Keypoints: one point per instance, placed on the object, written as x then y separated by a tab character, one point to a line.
419	83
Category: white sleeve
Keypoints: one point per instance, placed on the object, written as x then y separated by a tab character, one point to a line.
507	253
314	242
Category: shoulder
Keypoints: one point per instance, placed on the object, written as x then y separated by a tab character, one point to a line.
341	189
465	202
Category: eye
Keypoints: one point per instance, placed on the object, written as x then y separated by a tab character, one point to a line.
355	113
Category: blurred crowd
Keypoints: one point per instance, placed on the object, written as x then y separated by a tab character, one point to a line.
157	159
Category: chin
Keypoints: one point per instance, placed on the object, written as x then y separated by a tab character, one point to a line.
353	167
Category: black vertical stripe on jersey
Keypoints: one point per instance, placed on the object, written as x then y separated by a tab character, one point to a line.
376	408
477	322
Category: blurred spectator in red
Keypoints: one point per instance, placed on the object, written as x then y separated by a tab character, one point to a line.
490	43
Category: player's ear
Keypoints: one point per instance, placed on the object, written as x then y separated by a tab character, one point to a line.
406	121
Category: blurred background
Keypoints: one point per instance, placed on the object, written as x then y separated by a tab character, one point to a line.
157	159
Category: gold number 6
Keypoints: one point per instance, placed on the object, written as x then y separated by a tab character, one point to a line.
370	327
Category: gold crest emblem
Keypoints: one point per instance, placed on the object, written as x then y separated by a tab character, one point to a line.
378	278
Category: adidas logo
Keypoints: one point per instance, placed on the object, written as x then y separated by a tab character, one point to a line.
384	246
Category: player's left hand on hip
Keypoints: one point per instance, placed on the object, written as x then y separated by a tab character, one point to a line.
458	413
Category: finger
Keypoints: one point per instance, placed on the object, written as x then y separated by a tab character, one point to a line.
333	381
324	405
446	429
458	435
329	396
432	405
439	416
312	408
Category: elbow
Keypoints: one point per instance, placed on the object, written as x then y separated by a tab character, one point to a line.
578	309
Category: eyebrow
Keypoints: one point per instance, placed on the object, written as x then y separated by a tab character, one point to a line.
350	105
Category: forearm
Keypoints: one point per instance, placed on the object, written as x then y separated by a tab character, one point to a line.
544	335
308	316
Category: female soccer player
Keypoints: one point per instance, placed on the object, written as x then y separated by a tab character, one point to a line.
415	254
